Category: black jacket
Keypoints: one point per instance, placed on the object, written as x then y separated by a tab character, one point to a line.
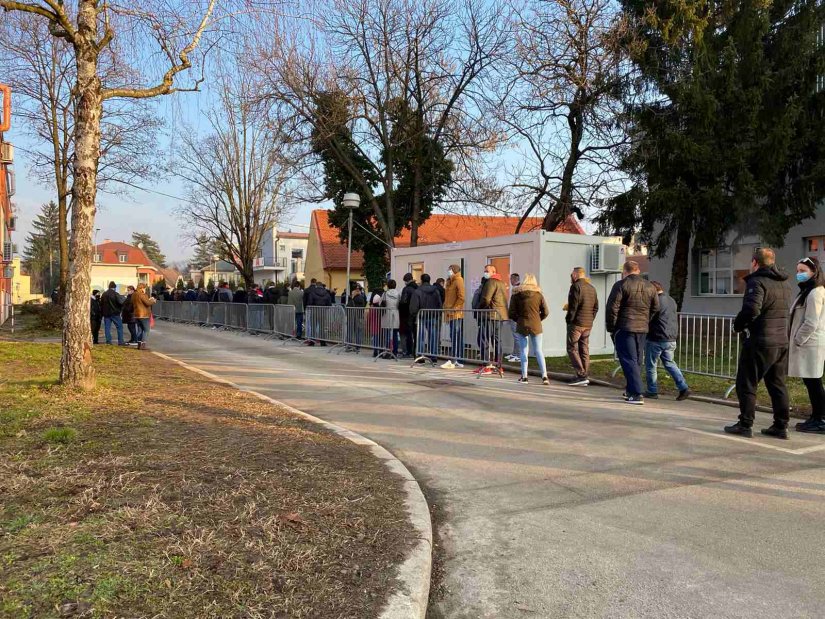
406	296
191	295
111	303
764	313
582	304
239	296
357	300
203	295
426	296
664	325
127	314
631	303
318	296
94	310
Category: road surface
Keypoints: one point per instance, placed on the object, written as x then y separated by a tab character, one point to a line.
562	501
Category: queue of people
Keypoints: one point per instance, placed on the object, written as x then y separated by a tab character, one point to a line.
134	309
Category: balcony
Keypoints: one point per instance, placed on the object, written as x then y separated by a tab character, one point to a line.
269	262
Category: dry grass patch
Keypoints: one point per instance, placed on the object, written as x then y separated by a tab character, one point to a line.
163	495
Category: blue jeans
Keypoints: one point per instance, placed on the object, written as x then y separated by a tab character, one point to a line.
664	350
630	348
107	328
535	347
457	338
142	329
428	337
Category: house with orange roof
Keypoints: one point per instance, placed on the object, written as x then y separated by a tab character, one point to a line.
327	256
124	264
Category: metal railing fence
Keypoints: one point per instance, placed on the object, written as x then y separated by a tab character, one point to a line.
325	325
373	328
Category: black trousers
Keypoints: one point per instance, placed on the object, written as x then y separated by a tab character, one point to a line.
132	332
816	392
95	329
771	366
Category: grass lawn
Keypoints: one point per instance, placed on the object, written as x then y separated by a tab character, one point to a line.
601	367
160	494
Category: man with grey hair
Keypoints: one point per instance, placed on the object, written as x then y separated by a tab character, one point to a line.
582	307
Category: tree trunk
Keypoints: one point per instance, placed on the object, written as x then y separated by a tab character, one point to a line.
76	368
557	215
416	205
63	247
681	257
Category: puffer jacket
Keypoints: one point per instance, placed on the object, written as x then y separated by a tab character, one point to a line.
390	319
630	305
528	309
318	296
664	325
454	297
494	297
764	314
582	304
426	296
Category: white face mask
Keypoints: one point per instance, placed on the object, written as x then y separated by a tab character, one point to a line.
486	275
449	273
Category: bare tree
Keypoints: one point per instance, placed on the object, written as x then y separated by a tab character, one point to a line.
41	71
96	28
423	63
237	175
562	104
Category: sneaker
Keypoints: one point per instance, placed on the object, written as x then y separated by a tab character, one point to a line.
486	371
448	366
683	395
523	380
545	380
458	365
739	430
813	426
776	432
513	359
625	397
652	396
578	382
636	400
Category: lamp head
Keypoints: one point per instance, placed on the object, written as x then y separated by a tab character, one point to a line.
351	200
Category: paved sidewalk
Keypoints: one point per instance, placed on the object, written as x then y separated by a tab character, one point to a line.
565	502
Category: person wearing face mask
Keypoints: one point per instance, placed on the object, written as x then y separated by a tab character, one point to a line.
454	304
493	297
763	323
806	354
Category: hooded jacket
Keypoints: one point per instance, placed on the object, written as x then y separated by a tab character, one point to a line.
664	325
406	296
426	296
494	297
764	314
582	304
528	309
317	296
454	297
631	304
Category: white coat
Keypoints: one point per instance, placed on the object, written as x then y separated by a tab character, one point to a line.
806	355
391	319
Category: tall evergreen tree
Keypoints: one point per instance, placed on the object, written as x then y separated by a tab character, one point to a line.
205	249
728	132
150	248
42	255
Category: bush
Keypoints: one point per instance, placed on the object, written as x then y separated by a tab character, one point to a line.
60	436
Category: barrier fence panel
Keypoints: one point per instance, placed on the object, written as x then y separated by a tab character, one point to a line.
459	336
284	322
236	314
201	313
217	314
373	328
325	325
259	318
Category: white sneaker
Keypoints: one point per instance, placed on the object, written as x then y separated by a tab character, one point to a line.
448	366
458	365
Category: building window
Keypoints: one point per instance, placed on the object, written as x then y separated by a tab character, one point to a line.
814	246
281	247
721	271
298	253
417	270
121	257
97	257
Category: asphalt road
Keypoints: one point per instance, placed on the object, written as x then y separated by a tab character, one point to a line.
562	501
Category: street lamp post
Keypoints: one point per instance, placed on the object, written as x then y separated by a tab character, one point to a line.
351	202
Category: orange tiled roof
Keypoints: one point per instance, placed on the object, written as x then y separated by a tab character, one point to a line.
110	254
437	229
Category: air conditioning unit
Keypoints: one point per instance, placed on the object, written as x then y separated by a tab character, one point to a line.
606	258
7	251
6	152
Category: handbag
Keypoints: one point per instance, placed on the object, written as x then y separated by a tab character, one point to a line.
151	321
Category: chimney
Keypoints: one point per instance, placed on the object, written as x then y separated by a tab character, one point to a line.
104	241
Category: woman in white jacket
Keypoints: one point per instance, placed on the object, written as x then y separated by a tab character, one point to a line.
390	322
806	356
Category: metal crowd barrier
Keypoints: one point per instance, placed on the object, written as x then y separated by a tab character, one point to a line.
373	328
325	325
459	336
284	325
236	316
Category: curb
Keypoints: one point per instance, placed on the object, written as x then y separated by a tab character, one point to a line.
414	573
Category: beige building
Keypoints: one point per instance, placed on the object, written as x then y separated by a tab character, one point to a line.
21	285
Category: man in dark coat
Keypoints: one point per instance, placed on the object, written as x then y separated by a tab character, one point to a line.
631	303
190	295
426	297
763	325
95	316
493	297
661	344
582	307
406	329
240	295
111	304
